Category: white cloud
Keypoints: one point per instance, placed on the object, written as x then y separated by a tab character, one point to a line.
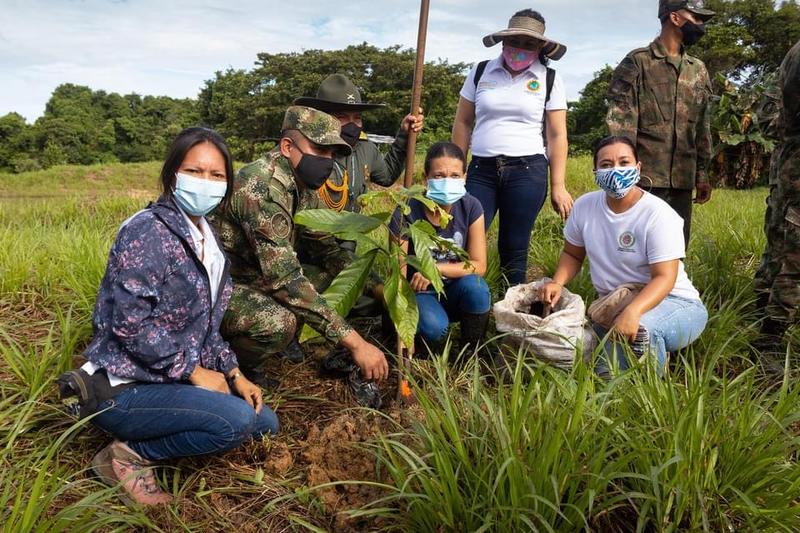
171	47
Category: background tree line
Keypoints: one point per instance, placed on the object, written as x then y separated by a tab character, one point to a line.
744	46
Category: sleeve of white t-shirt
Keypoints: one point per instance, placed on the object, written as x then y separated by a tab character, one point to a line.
558	96
573	229
665	236
468	89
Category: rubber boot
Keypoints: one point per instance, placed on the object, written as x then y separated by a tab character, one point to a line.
473	330
770	347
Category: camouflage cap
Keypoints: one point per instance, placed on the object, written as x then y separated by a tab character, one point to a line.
665	7
318	127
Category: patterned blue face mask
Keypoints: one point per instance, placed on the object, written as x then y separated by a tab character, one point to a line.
446	191
196	196
617	182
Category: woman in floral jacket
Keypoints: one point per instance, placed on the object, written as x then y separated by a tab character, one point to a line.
176	386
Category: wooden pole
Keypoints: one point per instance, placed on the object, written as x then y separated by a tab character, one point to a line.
416	90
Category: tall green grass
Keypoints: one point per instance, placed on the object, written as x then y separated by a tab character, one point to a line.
552	451
710	446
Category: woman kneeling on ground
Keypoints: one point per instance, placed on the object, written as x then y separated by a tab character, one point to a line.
466	296
631	237
177	390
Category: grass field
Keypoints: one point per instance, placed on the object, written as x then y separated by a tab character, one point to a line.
711	446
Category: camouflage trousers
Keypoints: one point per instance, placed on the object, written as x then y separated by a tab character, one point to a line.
257	326
777	280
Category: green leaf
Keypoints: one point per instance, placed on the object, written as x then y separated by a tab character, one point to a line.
345	290
331	221
425	265
402	304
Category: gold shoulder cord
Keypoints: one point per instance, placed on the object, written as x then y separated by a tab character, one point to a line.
340	189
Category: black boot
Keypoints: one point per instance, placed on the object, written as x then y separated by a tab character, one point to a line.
473	329
293	352
771	347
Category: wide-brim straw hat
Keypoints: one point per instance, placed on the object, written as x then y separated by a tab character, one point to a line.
528	27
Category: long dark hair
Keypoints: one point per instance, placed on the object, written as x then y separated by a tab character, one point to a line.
614	139
444	149
531	13
185	141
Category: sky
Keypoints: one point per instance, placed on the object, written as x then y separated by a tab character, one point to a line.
170	47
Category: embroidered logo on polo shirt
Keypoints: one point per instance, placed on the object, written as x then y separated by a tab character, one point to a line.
534	86
626	242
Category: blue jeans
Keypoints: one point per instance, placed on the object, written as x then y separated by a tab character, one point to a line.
469	294
517	188
161	421
673	324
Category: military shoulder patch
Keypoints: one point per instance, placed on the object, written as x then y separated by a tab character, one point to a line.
281	225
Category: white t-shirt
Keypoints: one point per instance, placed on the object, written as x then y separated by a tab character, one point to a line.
622	246
509	111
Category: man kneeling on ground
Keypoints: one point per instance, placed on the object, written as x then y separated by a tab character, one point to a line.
271	296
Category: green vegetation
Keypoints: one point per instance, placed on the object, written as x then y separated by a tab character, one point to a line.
711	446
84	127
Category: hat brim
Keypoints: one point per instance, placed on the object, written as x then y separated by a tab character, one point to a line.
704	14
553	49
327	106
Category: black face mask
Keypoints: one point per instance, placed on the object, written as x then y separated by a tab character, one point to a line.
351	132
692	32
313	170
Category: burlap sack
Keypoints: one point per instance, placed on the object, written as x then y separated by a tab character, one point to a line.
553	338
605	310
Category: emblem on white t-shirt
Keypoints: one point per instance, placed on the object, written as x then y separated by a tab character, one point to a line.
626	242
534	86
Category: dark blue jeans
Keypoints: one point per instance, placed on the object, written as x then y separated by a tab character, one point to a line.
469	294
517	188
161	421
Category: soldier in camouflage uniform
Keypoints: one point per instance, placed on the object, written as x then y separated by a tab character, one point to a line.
660	98
338	96
780	269
271	296
769	111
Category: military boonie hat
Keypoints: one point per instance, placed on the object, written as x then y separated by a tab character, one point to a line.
528	27
317	126
665	7
337	93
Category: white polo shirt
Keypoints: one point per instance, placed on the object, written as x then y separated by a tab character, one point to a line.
509	111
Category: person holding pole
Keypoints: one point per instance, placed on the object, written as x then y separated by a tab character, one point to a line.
338	96
512	113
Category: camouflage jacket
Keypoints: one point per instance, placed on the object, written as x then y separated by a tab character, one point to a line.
366	163
789	122
263	244
665	110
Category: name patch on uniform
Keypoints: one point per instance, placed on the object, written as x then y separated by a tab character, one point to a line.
487	85
534	86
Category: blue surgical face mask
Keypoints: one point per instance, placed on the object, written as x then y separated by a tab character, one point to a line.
617	182
446	191
196	196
